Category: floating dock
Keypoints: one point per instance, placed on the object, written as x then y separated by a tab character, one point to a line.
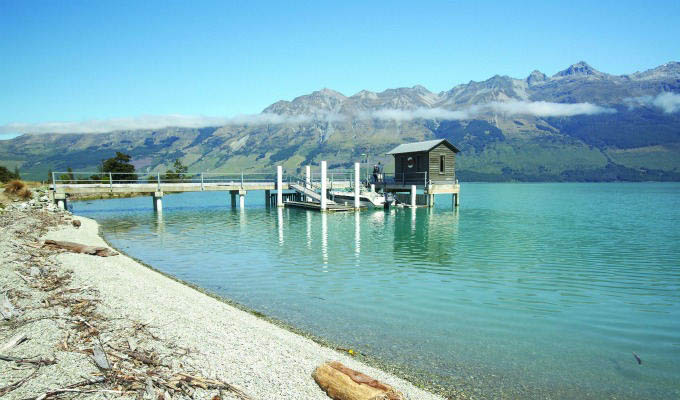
317	206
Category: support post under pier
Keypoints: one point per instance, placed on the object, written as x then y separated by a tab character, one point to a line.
413	195
232	195
60	199
308	181
242	199
455	200
323	186
158	201
279	186
357	186
267	198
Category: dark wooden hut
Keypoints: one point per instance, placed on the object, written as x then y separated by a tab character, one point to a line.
420	163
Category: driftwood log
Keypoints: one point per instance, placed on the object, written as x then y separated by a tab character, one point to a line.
343	383
80	248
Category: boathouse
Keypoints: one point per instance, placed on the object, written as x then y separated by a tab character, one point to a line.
420	163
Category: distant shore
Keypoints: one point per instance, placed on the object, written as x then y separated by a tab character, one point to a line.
219	341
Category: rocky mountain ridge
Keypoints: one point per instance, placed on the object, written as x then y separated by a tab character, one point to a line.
579	124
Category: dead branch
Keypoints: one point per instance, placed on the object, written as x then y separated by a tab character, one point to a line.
80	248
10	387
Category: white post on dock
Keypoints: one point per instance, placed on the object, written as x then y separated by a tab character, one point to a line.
373	188
323	185
279	186
413	195
60	198
242	199
357	186
158	201
308	180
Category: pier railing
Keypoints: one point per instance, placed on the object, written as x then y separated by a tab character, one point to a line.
401	178
227	178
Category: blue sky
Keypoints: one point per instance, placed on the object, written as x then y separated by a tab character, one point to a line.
73	61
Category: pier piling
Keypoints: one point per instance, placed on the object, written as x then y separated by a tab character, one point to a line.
60	198
232	195
279	186
324	193
357	186
158	201
242	199
308	180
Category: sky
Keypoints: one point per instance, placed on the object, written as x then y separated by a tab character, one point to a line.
99	60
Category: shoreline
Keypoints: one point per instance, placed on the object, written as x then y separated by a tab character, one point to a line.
263	357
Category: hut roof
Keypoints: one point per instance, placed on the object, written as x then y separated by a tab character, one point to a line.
418	147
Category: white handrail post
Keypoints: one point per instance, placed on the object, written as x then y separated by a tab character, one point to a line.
54	182
308	180
158	179
201	180
279	186
110	182
241	179
357	188
323	186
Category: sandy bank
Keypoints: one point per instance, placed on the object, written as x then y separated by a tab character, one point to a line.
264	360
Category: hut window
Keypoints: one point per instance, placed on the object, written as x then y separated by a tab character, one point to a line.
441	164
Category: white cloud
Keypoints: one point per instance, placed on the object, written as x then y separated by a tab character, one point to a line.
546	109
668	102
537	108
534	108
150	122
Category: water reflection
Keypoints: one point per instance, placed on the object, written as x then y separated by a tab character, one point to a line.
308	215
279	214
160	226
520	277
357	235
324	237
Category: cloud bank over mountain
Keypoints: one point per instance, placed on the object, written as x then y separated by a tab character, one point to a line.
509	108
668	102
146	122
576	91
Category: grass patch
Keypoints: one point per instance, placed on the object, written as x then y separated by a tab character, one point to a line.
25	193
14	186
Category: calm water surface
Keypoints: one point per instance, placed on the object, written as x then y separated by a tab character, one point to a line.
526	291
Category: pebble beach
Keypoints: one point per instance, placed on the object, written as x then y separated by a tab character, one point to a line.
158	336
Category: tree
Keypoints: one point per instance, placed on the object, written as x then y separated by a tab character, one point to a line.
71	177
49	175
7	175
121	168
16	172
178	174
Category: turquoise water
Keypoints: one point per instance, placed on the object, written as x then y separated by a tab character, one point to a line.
526	291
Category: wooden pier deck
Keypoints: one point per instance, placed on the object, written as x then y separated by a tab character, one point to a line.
309	191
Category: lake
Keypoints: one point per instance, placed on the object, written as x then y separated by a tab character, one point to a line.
524	291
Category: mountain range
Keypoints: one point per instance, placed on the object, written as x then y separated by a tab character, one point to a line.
577	125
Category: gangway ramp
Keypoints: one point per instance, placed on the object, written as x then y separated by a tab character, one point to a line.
309	193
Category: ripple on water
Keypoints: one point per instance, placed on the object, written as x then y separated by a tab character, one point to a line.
527	291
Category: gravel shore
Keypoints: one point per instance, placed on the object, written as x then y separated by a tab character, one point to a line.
154	330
